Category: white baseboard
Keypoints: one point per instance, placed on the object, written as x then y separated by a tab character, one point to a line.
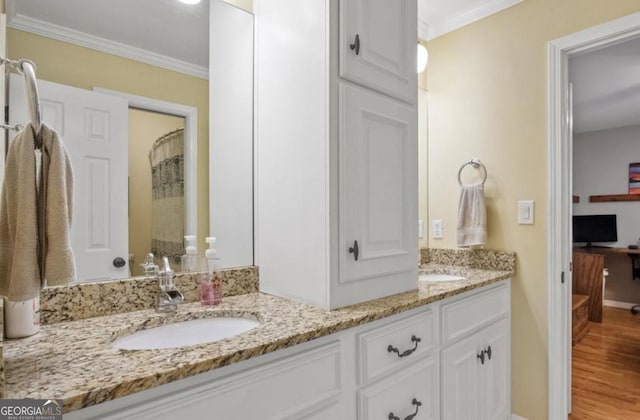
616	304
517	417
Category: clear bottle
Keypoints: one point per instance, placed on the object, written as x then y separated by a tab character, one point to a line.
189	261
211	277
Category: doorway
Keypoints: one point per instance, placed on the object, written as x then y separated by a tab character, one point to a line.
559	243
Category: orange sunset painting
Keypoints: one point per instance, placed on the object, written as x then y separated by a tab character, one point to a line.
634	178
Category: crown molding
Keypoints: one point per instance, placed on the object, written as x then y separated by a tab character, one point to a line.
468	16
60	33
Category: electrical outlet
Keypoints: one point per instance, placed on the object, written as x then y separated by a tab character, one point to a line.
437	229
420	228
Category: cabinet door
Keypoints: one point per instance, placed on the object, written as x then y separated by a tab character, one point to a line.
494	390
377	191
378	41
461	378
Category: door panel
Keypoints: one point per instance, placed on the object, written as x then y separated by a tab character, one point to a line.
378	171
495	372
385	59
461	375
94	128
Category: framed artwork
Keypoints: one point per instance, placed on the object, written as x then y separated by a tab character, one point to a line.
634	178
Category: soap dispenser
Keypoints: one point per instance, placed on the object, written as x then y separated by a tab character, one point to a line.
190	258
211	278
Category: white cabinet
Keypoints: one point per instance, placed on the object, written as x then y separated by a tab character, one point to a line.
387	369
337	192
398	368
380	59
377	190
476	367
304	382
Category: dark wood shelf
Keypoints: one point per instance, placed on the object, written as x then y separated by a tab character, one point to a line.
613	197
576	199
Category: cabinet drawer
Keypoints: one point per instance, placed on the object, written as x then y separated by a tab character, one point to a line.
463	316
396	394
379	349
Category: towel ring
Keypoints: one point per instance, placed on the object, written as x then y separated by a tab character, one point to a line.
477	165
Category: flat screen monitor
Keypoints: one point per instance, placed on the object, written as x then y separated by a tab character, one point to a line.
595	228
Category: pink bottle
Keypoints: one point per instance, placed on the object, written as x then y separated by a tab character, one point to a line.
211	278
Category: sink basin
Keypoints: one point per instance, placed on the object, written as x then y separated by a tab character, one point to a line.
186	333
439	277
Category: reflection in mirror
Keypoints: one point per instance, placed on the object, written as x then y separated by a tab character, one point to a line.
126	47
156	186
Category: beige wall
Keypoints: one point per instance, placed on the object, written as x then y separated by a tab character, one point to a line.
144	129
84	68
487	99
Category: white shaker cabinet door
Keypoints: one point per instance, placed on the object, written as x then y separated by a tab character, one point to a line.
462	372
378	184
378	41
495	384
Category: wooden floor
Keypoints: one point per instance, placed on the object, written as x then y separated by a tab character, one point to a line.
606	369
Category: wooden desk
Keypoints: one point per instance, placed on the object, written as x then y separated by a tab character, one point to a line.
606	250
586	278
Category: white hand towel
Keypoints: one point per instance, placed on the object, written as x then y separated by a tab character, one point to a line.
19	267
472	216
56	208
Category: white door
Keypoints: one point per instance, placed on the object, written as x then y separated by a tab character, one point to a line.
461	371
94	128
495	372
378	41
378	186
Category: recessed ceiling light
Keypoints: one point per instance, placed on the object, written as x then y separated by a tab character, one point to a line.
190	1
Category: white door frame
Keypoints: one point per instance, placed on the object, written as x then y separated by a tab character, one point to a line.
559	201
190	115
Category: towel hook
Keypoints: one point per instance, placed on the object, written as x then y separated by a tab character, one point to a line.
477	165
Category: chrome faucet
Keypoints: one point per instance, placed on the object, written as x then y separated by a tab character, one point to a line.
168	296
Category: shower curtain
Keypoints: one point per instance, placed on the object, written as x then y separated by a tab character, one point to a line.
167	185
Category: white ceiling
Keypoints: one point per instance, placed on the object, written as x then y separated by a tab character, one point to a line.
173	35
606	87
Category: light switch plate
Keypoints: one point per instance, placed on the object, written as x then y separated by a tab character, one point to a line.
526	212
420	228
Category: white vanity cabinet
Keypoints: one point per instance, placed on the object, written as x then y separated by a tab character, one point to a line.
476	356
336	149
423	362
303	382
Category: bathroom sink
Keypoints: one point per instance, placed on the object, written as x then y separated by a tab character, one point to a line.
439	277
185	333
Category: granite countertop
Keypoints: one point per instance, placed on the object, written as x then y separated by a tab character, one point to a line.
75	361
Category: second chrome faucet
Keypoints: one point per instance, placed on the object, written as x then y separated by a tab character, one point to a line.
168	296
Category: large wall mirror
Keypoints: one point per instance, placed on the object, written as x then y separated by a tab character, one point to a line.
154	101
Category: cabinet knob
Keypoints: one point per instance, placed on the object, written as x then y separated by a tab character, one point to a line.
356	45
355	250
410	416
481	356
487	351
407	352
